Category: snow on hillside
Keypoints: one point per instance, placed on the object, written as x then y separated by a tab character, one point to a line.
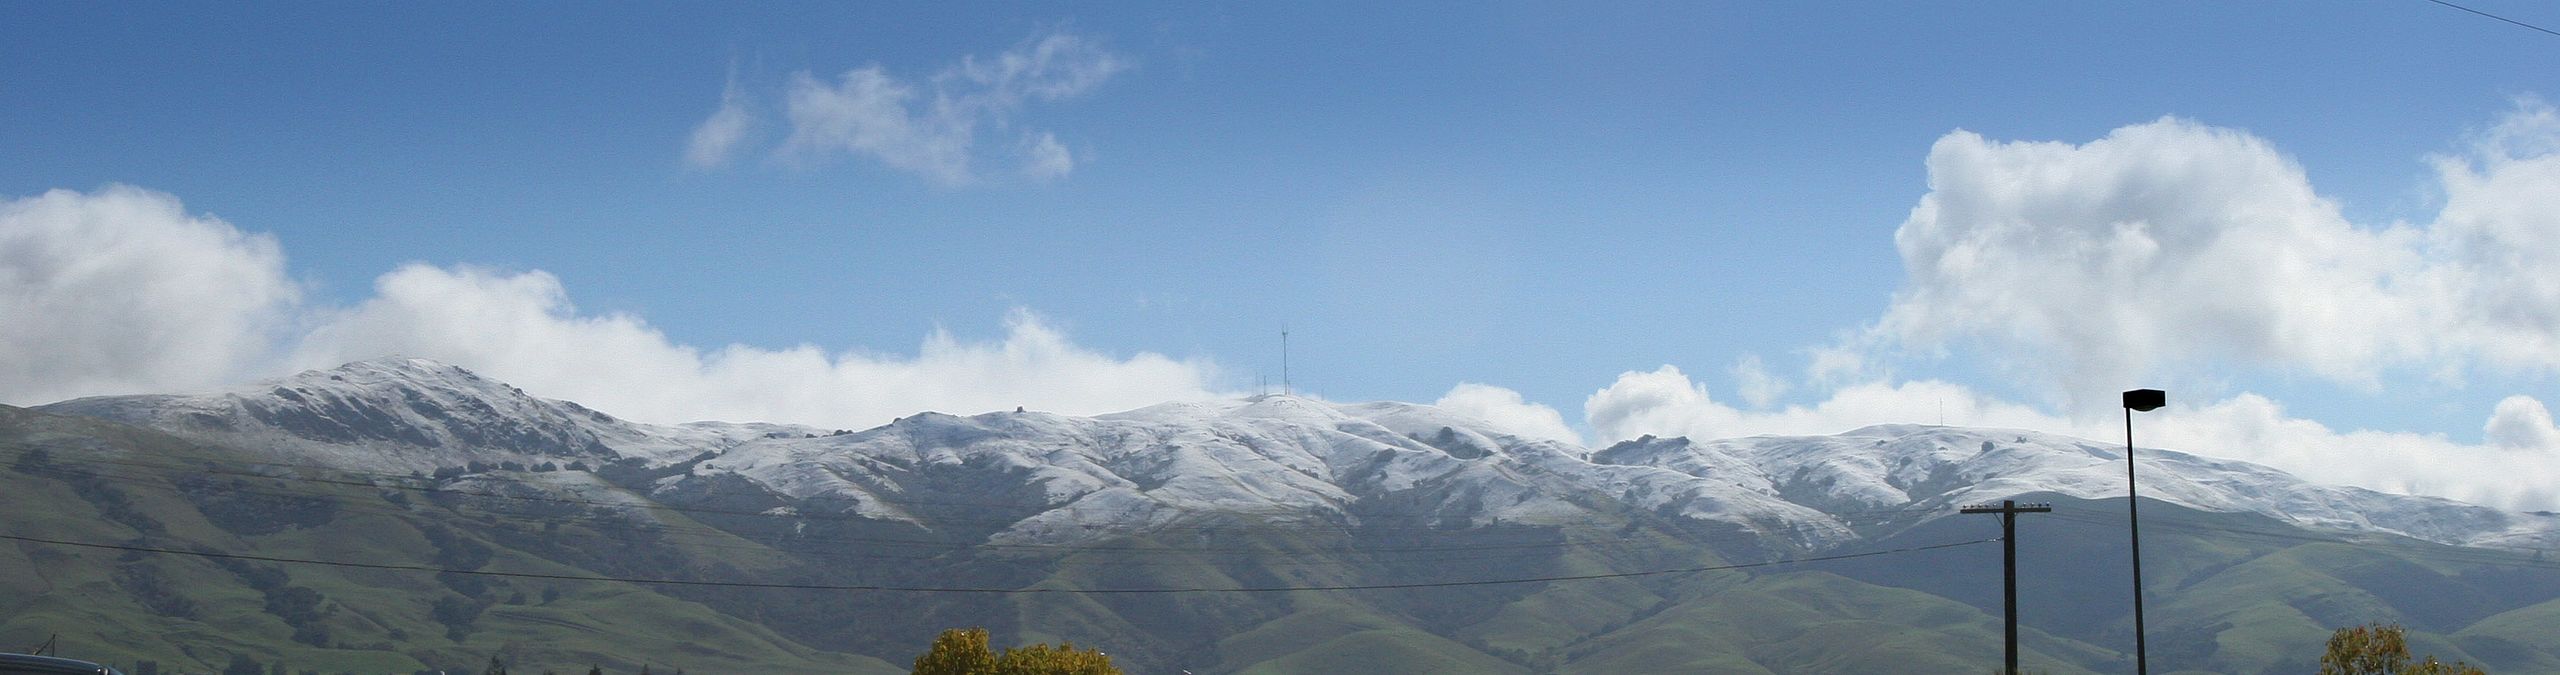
1932	469
407	414
1032	477
1274	458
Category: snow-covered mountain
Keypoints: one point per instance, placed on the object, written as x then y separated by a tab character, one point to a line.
1272	458
404	414
1931	470
1040	478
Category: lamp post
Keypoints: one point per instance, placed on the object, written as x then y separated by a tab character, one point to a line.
2138	400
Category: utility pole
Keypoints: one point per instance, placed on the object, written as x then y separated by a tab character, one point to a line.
2137	400
2009	511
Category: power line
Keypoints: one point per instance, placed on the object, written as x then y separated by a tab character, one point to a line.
984	590
2543	30
2465	553
398	482
2418	548
1478	549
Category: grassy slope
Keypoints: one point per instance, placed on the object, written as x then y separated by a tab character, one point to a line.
2518	640
378	620
1392	650
1816	622
2222	602
2234	593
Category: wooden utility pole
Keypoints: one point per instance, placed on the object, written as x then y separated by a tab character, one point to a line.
2009	511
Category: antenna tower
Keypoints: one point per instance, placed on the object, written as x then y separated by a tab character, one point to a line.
1285	390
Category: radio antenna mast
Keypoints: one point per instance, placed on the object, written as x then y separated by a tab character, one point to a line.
1285	389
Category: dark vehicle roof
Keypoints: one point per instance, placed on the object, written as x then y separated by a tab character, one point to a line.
14	664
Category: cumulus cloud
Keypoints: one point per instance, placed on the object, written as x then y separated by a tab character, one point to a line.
121	290
2176	249
719	136
2495	244
2094	266
2090	264
2511	471
1754	381
2521	423
930	126
1665	402
1506	410
521	328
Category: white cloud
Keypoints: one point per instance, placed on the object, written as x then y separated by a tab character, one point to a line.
1050	67
1754	381
120	290
1665	402
2173	249
930	128
522	329
1507	411
2097	266
1045	159
719	136
2521	423
1838	363
2506	472
2495	245
2090	265
865	113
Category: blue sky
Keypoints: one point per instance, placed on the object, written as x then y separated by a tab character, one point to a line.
1536	197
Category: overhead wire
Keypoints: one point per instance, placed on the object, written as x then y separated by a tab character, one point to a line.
147	482
2474	555
708	537
2478	555
711	536
993	590
2528	26
401	481
600	521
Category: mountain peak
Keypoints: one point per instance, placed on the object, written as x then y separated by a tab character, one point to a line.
398	364
392	411
396	371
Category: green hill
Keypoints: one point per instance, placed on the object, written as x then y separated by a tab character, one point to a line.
523	550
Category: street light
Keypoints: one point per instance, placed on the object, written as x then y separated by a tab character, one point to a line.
2138	400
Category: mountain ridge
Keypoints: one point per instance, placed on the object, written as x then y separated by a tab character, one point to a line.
1448	543
1272	455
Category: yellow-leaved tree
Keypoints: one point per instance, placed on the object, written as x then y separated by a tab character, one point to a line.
2381	649
963	651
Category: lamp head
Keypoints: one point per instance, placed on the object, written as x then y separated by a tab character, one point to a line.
2145	400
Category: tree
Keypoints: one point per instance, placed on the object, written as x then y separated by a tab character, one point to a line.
1041	659
2381	649
495	667
595	669
959	651
963	651
241	664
